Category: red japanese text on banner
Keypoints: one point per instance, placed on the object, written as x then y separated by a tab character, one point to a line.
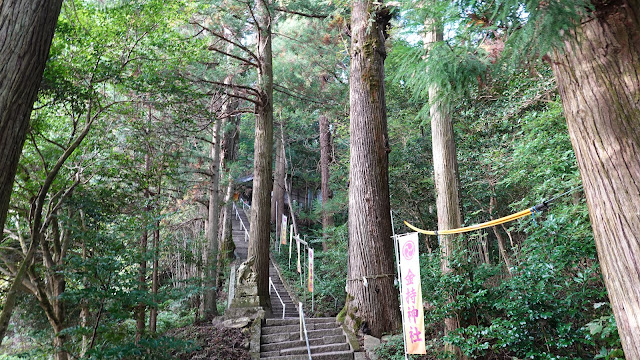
283	230
411	293
310	270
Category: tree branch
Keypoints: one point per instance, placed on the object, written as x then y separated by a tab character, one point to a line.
283	90
248	62
313	16
224	38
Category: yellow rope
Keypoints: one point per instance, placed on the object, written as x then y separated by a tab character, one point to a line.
531	211
495	222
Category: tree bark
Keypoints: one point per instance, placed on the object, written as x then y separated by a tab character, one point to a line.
325	159
58	343
373	306
27	28
229	150
598	74
259	232
210	303
277	203
445	167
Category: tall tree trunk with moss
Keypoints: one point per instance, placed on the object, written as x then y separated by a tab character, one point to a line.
229	149
371	306
259	232
598	75
445	166
325	159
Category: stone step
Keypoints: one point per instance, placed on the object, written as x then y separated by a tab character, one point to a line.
293	328
291	311
288	313
302	349
337	339
329	355
277	304
335	355
277	284
316	349
313	334
279	322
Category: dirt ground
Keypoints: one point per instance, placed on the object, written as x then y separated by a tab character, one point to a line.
214	342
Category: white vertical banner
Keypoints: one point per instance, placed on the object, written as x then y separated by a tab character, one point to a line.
298	245
283	230
310	285
411	293
290	243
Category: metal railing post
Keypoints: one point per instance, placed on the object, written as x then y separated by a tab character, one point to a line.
303	326
284	306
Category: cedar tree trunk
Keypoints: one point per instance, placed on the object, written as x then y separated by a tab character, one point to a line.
325	159
211	259
598	75
372	306
445	166
277	203
259	232
27	28
229	150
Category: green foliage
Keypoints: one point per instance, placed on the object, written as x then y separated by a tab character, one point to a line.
329	270
393	349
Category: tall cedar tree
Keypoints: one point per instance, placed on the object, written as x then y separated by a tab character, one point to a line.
27	28
211	255
374	304
445	171
277	203
325	158
259	232
598	74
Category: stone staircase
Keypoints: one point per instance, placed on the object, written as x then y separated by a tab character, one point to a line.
280	338
290	308
242	247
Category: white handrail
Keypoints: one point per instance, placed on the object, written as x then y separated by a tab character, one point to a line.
297	237
244	204
271	285
303	326
246	232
